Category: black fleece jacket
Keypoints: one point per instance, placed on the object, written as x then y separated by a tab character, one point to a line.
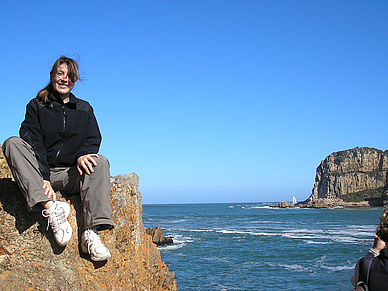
378	274
61	134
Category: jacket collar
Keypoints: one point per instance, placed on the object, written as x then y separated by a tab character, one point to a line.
55	97
384	253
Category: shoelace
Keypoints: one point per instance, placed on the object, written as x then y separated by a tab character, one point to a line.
55	218
92	238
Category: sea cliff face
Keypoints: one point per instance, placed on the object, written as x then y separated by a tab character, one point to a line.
31	260
356	176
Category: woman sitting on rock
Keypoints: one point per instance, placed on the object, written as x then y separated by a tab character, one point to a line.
57	151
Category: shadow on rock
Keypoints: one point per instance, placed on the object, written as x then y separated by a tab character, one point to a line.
13	203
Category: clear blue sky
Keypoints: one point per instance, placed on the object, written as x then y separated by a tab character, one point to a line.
210	101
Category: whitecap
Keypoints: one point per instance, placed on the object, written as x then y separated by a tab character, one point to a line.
317	242
225	231
259	207
178	220
264	234
338	268
182	239
217	260
297	268
171	247
293	268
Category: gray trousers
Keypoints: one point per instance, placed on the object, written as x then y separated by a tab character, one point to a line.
94	189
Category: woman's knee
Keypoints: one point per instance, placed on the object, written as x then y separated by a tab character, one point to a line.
103	162
10	143
102	159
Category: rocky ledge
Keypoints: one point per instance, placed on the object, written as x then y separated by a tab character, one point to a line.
283	204
331	202
323	203
30	259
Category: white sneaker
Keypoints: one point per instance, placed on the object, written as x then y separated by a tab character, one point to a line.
57	219
91	244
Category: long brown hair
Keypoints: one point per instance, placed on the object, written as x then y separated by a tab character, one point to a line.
73	74
382	228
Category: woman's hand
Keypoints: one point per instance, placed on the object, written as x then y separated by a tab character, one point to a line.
86	163
378	244
48	190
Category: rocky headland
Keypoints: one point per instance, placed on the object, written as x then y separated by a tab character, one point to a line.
31	260
352	178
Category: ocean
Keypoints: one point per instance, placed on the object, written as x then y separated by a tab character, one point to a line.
255	247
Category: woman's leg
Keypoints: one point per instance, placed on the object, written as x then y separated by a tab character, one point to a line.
94	192
25	170
95	196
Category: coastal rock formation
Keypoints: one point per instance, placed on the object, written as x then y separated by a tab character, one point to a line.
354	177
30	259
333	202
283	204
157	236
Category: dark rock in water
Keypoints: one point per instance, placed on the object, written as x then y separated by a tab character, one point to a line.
157	236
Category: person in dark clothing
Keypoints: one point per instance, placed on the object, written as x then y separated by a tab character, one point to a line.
58	151
374	251
378	274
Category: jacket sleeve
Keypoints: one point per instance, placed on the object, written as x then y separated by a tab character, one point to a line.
356	274
92	138
371	253
30	131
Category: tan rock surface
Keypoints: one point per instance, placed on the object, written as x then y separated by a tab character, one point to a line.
31	260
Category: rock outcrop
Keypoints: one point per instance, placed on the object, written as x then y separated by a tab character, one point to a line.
30	259
283	204
157	236
354	177
329	203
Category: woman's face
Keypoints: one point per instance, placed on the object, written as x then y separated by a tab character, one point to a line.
61	81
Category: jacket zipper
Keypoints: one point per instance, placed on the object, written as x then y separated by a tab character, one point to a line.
63	130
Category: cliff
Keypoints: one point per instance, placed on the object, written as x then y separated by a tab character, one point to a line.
354	177
31	260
